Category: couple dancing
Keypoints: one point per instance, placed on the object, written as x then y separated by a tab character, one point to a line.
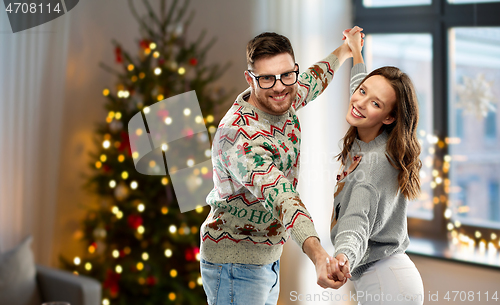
255	206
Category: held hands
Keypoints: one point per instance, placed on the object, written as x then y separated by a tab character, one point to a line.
312	247
352	45
324	273
354	38
338	269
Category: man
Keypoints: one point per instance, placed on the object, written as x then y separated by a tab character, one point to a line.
254	204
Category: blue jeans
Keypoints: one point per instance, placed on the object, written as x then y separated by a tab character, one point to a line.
240	284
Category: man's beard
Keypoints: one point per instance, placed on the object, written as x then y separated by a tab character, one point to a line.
276	107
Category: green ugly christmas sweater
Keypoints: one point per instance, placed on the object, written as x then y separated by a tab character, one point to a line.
255	206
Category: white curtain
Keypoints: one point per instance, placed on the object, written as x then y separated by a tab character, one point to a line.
315	29
32	81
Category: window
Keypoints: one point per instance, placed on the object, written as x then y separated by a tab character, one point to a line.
490	125
470	1
457	126
386	3
412	53
494	197
474	68
450	49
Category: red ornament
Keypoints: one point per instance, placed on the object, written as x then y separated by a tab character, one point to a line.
151	281
190	254
111	282
144	43
118	55
134	221
124	143
106	168
193	61
161	61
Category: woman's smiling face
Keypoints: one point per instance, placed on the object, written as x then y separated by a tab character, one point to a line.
371	104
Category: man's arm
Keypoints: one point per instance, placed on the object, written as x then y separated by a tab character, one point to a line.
314	80
322	261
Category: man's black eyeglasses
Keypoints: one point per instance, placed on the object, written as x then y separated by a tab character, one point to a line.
268	81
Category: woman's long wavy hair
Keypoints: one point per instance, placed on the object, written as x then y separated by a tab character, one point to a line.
403	148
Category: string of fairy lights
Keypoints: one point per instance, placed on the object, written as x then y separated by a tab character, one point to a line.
463	244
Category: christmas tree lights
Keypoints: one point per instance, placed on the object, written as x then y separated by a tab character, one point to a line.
137	243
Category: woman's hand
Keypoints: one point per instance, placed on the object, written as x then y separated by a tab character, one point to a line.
344	265
345	51
338	268
354	42
354	38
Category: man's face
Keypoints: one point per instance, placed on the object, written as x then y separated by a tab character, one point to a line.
278	99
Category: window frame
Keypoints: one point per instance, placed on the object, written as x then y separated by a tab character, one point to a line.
435	19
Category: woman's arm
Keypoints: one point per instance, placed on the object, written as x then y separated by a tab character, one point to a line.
355	42
358	72
355	224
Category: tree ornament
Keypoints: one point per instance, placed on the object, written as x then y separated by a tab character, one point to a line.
115	126
475	96
99	233
191	253
172	65
144	43
125	142
111	283
121	191
106	168
193	61
118	55
134	221
100	247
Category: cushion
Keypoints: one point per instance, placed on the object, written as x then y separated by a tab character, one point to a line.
18	276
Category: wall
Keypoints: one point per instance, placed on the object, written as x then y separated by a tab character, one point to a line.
441	276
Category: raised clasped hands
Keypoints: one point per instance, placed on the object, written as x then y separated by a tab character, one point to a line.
354	39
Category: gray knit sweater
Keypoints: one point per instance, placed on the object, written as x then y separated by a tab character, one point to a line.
369	213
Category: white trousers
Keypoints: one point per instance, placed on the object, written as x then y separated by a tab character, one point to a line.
392	280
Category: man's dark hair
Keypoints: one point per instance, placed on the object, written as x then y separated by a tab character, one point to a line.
267	44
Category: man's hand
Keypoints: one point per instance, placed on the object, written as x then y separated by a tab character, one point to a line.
319	257
342	271
354	41
344	51
354	38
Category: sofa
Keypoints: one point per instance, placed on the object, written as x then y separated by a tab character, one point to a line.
24	283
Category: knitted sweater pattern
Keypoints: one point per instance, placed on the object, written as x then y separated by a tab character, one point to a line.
255	206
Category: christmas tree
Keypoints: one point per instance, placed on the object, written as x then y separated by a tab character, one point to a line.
138	244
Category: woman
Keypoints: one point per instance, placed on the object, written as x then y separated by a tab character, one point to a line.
380	173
